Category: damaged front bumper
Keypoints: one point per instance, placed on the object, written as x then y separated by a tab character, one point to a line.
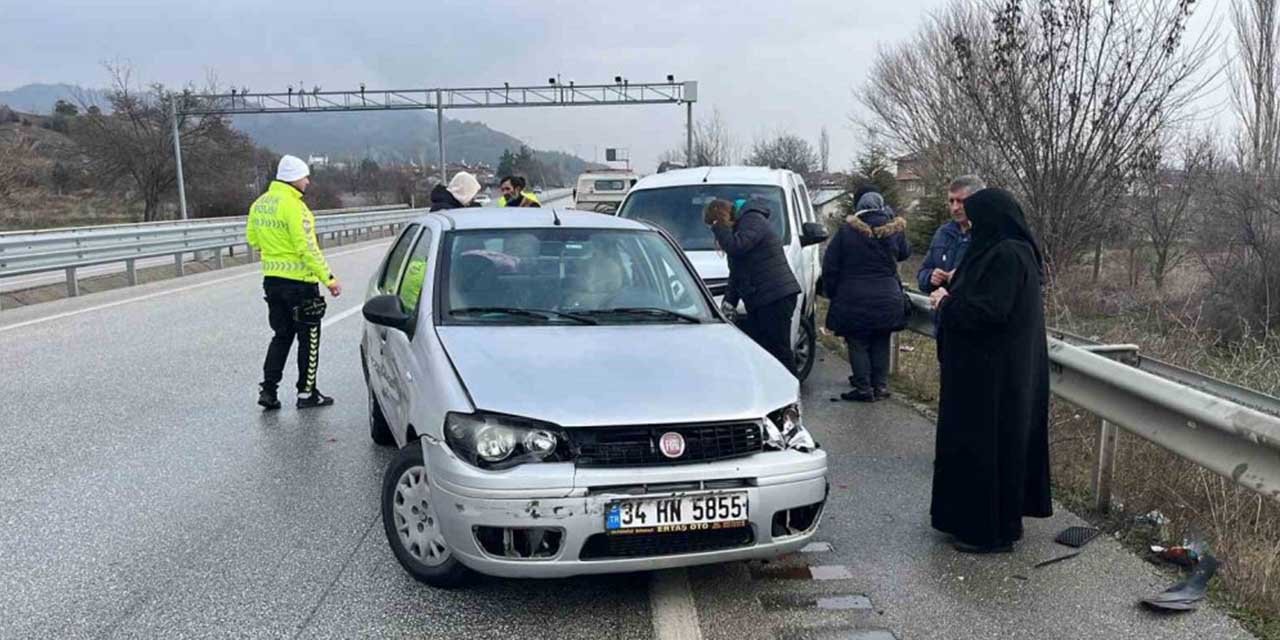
548	520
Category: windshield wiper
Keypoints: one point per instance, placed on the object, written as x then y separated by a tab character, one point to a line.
653	312
541	314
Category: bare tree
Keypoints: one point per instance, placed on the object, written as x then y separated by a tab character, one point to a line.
784	151
1052	99
824	150
1246	259
1164	198
132	142
713	145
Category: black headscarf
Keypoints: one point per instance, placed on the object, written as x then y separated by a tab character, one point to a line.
997	216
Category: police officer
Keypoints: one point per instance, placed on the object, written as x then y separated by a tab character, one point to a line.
282	228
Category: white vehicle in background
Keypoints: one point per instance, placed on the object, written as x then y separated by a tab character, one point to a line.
674	201
483	199
602	191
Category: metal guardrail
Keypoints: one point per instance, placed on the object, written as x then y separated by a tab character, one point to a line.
1226	428
70	249
41	253
5	235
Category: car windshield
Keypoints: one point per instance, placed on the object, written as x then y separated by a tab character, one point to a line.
679	210
567	276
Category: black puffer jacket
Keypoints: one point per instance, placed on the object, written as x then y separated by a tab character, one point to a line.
758	270
860	275
441	199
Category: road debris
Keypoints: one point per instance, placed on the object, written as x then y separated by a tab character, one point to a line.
1186	595
1056	560
1076	536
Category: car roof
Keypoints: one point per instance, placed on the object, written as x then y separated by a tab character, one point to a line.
475	218
715	175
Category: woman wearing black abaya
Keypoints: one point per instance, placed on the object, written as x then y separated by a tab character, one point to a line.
992	461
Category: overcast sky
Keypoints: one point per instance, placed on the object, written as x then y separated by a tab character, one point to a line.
767	66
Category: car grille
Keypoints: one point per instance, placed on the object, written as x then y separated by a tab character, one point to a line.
638	446
603	546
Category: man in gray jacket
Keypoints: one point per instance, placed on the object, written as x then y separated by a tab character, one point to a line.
759	274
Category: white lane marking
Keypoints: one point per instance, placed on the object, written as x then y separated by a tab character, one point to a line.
341	316
675	617
149	296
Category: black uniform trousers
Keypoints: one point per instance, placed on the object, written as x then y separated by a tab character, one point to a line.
284	297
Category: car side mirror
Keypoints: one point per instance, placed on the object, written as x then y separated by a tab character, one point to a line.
813	233
385	310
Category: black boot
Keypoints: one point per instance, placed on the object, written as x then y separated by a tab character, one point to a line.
314	399
267	399
858	395
882	393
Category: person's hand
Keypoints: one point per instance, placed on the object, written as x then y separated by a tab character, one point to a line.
714	218
335	287
729	309
939	277
938	295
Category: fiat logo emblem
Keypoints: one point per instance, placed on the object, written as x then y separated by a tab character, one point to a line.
671	444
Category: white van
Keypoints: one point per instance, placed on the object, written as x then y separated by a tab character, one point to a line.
674	201
602	191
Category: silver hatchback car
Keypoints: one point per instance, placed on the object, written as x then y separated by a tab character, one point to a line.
568	400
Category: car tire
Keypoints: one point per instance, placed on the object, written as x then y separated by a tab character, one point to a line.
379	430
410	522
806	348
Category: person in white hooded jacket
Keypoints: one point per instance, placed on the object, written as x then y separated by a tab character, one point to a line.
460	193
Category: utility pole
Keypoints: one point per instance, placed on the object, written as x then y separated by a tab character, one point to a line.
177	153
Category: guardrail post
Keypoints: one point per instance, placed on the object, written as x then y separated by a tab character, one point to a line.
73	286
217	258
893	354
1104	473
177	264
131	271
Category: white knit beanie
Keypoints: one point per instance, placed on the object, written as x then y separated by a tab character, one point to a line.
291	169
464	187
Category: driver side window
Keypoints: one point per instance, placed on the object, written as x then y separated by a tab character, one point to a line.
389	281
415	273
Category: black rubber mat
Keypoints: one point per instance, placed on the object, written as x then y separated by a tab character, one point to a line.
1076	536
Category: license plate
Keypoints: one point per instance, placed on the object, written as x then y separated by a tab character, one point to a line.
702	512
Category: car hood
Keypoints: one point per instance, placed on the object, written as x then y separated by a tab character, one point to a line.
710	265
580	376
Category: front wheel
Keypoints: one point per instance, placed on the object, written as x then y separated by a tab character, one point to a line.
411	521
806	348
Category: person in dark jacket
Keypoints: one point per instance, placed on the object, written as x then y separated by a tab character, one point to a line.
461	192
860	276
992	457
759	274
950	240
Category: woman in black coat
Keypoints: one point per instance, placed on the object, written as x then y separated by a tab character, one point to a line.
992	459
860	277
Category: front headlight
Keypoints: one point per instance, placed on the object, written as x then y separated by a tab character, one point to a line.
784	429
492	441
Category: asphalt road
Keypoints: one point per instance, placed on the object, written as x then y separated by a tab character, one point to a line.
143	494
